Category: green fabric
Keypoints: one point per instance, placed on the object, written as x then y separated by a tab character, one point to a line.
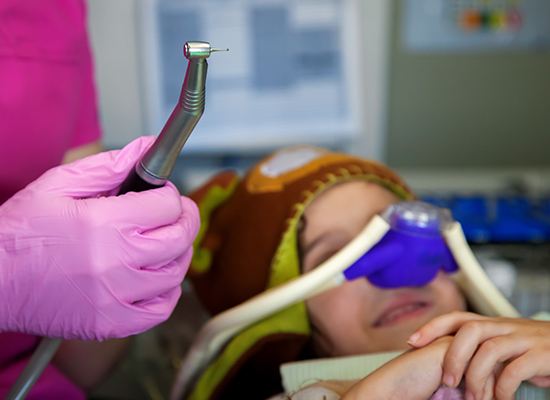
286	262
202	258
290	320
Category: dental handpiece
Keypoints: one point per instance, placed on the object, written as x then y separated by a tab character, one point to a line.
152	171
156	165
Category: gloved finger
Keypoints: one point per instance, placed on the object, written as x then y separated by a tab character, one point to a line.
161	305
380	256
157	247
149	313
131	286
135	212
96	174
158	309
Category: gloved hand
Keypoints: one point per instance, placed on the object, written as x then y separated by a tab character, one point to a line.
76	262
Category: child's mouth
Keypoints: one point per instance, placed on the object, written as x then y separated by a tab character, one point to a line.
400	312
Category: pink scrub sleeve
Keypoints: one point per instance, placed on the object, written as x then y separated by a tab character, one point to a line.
47	96
47	106
52	385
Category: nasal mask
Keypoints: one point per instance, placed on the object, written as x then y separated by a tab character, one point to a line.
412	251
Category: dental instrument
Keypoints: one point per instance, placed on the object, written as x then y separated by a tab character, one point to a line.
156	165
405	246
153	170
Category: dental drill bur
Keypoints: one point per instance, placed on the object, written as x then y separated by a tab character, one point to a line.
152	171
156	165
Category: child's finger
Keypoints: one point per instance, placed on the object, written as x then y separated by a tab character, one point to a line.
523	368
464	345
541	381
490	354
488	389
441	326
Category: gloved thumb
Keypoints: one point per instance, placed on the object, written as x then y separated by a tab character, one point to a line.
96	175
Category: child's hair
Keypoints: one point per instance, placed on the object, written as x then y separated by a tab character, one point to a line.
248	244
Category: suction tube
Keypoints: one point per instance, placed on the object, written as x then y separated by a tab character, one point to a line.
39	360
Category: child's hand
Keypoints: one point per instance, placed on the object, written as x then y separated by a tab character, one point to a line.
494	354
414	375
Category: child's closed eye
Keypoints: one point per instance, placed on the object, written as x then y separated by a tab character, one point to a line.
323	252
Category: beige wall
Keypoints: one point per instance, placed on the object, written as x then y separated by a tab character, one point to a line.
474	109
115	43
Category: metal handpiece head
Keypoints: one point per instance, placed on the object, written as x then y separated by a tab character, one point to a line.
196	49
159	161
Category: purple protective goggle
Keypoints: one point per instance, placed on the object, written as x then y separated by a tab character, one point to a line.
412	252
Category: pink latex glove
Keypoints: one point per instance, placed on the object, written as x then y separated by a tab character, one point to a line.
76	262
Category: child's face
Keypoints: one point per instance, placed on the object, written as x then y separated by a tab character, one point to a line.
357	317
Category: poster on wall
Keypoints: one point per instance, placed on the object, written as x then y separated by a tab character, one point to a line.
475	25
291	75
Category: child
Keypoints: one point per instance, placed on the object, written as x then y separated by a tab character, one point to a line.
291	212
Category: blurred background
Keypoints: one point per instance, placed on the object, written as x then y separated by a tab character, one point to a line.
453	94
